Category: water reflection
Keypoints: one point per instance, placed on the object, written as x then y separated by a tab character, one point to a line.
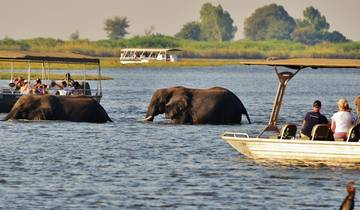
132	164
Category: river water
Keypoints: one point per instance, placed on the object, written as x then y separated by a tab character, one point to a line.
132	164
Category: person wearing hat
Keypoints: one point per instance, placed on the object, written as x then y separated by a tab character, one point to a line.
342	120
311	119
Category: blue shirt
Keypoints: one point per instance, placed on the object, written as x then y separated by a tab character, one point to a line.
312	119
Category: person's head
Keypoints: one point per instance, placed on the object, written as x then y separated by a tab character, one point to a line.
316	106
64	84
38	81
343	104
53	83
77	85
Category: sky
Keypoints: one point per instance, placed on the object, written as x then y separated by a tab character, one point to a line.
23	19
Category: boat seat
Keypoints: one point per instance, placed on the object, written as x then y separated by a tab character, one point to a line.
320	132
354	134
288	131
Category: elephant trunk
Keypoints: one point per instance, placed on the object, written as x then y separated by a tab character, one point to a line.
248	118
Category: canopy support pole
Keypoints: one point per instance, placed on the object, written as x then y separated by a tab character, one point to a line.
29	72
12	71
99	87
284	78
43	73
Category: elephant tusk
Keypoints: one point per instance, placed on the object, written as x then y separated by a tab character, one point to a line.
150	118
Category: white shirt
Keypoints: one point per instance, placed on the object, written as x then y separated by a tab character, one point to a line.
343	121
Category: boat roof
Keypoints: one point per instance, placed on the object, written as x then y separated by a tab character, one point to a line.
151	49
53	57
301	63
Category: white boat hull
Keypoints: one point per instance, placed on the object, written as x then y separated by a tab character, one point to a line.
295	149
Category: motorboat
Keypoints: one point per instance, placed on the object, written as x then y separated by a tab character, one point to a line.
144	55
10	94
284	144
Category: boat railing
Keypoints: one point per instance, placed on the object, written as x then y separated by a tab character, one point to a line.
88	92
235	135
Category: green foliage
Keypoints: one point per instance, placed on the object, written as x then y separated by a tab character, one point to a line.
75	36
314	18
190	30
269	22
335	36
153	41
216	24
11	44
307	35
313	29
194	49
116	27
44	43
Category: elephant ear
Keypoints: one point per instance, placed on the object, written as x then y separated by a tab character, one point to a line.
176	106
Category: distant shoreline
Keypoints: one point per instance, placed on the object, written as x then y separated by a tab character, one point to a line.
114	63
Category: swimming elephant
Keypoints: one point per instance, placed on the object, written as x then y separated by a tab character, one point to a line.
197	106
50	107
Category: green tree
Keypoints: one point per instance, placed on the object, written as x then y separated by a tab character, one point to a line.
116	27
314	18
216	24
307	35
190	30
75	36
314	29
269	22
335	36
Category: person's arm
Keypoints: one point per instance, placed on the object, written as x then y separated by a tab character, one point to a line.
303	124
333	125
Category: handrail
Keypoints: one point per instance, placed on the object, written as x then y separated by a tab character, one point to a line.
236	135
8	91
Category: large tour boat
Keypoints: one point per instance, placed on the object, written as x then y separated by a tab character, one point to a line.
10	93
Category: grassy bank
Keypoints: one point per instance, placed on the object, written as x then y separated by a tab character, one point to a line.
242	49
115	63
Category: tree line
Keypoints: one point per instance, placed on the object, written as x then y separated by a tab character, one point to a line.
270	22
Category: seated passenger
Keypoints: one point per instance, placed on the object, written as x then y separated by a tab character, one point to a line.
54	88
25	89
311	119
66	90
19	82
39	87
342	120
77	89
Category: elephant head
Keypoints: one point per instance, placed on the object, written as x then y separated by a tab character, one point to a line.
50	107
32	107
173	102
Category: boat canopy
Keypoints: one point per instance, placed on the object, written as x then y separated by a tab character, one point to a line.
48	57
150	50
301	63
45	58
295	65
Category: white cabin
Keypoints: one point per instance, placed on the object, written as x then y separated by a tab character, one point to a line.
144	55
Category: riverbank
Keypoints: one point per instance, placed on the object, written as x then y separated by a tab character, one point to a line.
112	63
240	49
